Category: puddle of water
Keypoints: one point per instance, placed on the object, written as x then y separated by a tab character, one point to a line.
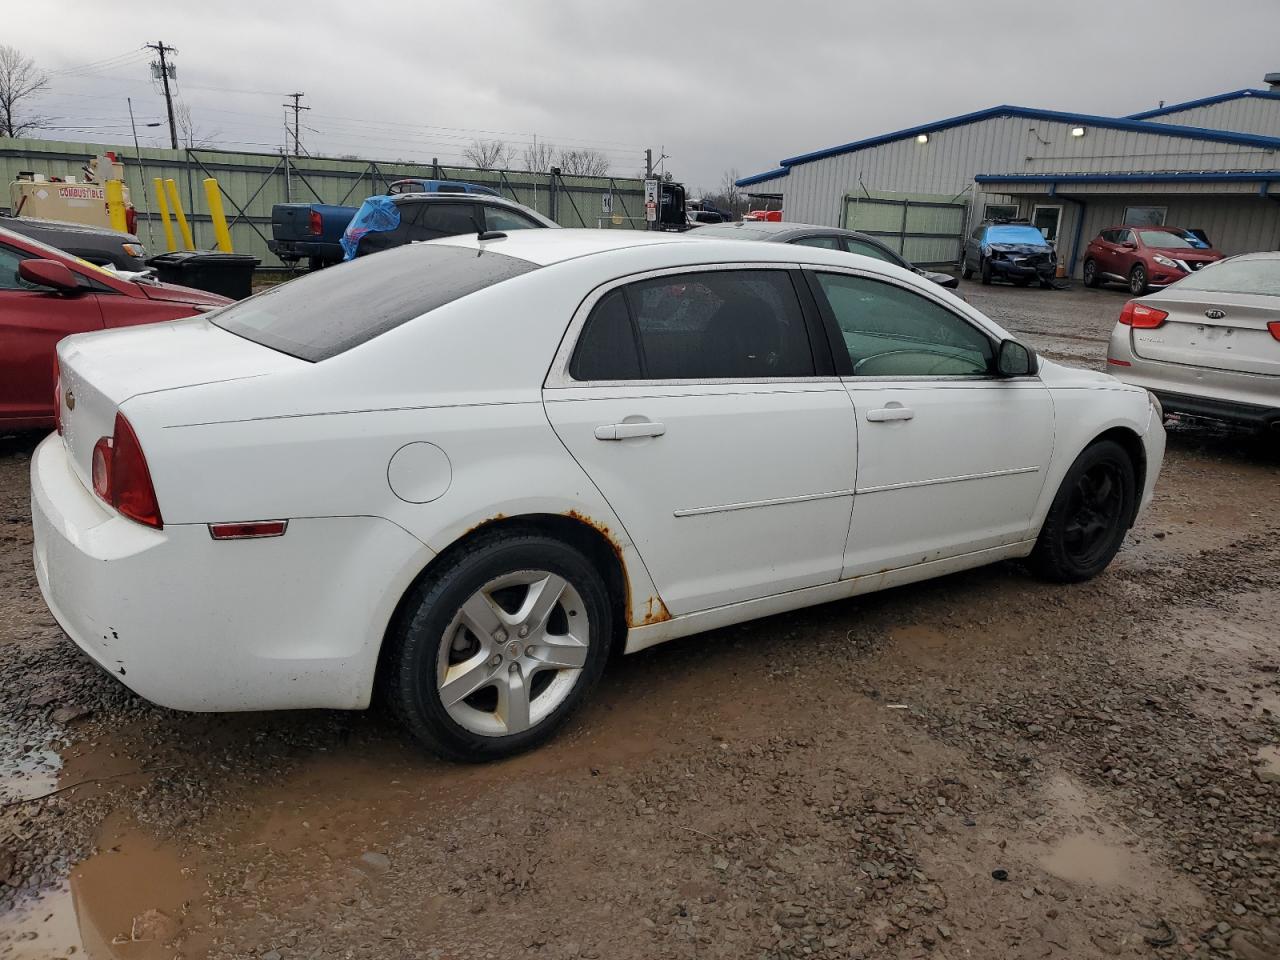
1088	858
132	900
29	764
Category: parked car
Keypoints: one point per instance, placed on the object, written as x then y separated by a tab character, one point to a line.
99	245
1012	250
480	466
1209	344
768	216
313	231
830	238
46	295
386	222
1145	258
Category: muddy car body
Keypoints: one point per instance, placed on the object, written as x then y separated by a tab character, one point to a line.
471	490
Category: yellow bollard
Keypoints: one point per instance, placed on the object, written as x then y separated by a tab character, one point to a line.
175	202
216	212
162	207
115	206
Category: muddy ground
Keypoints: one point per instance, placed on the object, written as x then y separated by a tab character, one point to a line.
980	766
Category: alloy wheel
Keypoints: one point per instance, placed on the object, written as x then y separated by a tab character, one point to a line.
1138	281
513	653
1093	513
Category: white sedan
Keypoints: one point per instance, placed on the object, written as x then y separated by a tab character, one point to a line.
463	472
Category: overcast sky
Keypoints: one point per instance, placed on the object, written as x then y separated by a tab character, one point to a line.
720	84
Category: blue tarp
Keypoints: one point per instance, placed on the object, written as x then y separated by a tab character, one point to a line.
375	214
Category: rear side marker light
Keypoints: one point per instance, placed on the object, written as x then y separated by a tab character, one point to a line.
252	530
1118	363
1274	327
1141	317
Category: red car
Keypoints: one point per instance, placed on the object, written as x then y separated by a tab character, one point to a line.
1145	257
46	295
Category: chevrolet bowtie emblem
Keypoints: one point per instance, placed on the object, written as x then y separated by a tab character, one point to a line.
71	400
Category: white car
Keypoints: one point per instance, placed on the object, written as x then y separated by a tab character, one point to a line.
465	471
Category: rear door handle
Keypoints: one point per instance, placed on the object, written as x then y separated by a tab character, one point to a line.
889	413
625	431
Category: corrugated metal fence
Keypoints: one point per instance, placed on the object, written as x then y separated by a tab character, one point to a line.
252	182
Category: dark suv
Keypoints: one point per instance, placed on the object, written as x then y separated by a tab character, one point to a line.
1010	250
392	221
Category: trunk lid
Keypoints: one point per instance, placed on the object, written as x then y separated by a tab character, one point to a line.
1226	334
101	371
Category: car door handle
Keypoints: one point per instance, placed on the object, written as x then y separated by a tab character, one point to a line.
625	431
890	413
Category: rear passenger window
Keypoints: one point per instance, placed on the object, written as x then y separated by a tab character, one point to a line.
446	220
732	324
826	243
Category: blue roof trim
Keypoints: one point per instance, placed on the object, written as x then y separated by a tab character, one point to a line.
1250	176
1029	113
761	177
1204	102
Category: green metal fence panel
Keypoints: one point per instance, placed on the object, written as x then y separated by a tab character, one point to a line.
927	230
251	183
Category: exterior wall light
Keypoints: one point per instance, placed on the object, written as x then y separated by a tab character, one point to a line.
1077	131
922	138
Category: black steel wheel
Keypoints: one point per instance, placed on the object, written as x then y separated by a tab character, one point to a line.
1090	515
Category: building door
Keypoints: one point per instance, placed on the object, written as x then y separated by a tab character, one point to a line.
1047	220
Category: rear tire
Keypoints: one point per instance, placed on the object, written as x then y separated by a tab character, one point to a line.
1090	274
1089	517
985	267
1138	280
476	669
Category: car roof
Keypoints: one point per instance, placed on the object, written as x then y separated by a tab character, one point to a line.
774	230
65	226
546	247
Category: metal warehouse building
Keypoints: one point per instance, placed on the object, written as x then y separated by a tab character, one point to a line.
1210	164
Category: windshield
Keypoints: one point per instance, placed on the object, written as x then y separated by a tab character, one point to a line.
1168	239
330	311
1236	276
1015	233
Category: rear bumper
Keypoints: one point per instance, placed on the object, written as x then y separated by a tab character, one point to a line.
1247	414
196	624
297	249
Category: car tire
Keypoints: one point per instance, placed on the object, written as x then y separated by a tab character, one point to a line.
1089	517
985	272
1091	274
1046	284
495	578
966	271
1138	280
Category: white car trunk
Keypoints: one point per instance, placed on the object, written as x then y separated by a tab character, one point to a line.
1238	340
101	371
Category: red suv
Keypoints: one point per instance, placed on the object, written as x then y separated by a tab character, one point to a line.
46	295
1144	257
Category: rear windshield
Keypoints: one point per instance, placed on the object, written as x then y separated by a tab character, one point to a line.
1236	276
330	311
1012	233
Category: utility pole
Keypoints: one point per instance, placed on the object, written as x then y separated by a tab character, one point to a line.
164	68
297	108
648	164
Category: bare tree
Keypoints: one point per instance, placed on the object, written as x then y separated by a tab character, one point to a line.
538	157
19	79
584	163
488	154
735	201
189	134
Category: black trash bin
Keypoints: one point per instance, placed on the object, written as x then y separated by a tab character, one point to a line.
229	274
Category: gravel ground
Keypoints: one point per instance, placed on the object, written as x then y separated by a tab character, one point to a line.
979	766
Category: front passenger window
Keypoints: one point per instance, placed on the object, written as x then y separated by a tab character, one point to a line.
890	331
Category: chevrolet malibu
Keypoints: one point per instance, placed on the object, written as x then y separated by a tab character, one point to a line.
462	473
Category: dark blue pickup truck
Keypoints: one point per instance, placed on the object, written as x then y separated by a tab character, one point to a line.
313	231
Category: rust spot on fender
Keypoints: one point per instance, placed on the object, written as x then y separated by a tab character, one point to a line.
604	531
484	523
655	612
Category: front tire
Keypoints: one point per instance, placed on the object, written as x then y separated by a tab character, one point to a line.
1090	515
492	654
1138	280
1090	273
985	268
966	271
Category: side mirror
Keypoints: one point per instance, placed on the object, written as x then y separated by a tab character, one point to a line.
48	273
946	280
1129	245
1015	359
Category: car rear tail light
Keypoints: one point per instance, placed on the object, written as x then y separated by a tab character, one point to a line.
121	476
131	220
316	223
1274	327
248	531
57	394
1142	317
